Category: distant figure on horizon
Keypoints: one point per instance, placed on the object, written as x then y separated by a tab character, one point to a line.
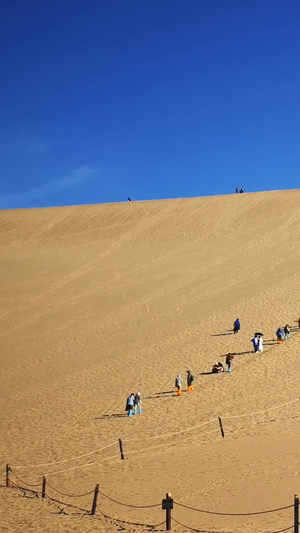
279	335
137	403
130	404
190	378
242	189
229	359
178	384
236	326
129	199
236	190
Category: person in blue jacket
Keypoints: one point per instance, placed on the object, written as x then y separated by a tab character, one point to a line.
236	326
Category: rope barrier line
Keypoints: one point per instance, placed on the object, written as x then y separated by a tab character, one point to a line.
70	495
130	505
25	488
145	450
145	438
127	521
113	457
171	434
67	504
210	531
234	514
259	412
281	530
82	466
24	482
70	459
156	505
196	529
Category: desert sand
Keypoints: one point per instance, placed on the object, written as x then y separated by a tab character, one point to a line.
100	301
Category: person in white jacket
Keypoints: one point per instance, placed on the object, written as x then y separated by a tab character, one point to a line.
178	384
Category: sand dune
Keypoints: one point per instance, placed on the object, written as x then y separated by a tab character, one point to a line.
99	301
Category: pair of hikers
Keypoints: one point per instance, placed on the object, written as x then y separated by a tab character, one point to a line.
286	333
133	404
189	380
218	367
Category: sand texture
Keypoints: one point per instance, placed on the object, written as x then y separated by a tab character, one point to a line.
104	300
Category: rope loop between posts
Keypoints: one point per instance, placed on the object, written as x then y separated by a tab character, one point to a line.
211	531
196	529
70	495
24	482
260	412
25	488
128	504
131	523
233	514
70	458
281	530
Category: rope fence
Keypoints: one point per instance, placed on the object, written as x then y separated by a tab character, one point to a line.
211	531
120	442
167	504
234	514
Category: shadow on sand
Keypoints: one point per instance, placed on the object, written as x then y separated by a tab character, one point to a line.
113	415
161	395
221	334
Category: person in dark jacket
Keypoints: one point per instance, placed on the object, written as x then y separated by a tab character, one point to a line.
190	378
236	326
279	335
130	404
229	359
287	332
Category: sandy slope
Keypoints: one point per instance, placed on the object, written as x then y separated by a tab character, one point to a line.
99	301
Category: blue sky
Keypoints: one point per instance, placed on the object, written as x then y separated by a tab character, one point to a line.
104	99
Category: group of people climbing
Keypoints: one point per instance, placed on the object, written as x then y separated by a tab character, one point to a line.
134	401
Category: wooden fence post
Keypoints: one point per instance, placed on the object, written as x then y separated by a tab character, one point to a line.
94	506
221	426
296	514
168	513
44	487
121	449
7	471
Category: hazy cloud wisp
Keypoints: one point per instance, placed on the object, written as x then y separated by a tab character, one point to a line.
24	199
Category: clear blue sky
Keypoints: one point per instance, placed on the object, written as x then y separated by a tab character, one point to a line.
104	99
